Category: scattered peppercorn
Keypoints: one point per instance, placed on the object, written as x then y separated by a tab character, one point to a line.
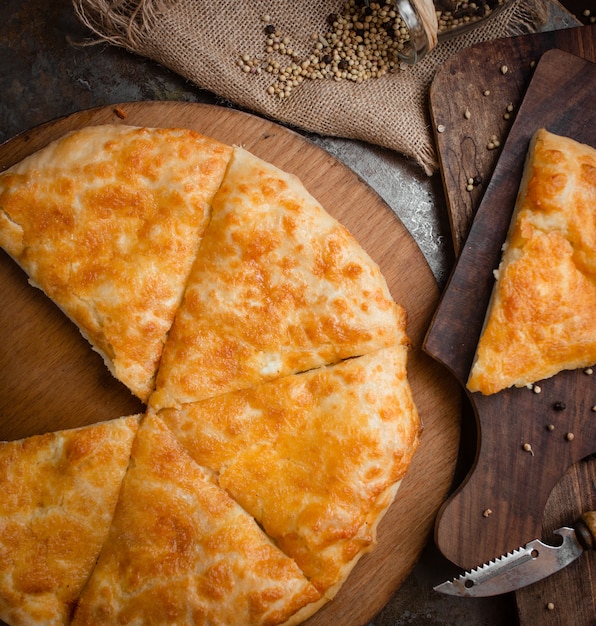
570	436
550	606
586	16
493	142
362	42
550	427
528	448
559	406
589	371
452	14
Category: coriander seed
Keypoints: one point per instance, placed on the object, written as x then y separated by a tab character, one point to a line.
528	448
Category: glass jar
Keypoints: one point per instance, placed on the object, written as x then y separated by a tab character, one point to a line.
453	17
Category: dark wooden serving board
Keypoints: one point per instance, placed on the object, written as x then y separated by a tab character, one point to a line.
460	84
515	485
50	378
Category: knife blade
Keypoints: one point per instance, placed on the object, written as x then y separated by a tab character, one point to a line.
527	564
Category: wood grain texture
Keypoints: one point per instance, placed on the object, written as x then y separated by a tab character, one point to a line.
512	483
572	590
50	378
459	85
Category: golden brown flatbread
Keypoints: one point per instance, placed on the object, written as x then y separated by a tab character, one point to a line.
278	287
282	379
316	457
107	221
542	314
59	491
181	551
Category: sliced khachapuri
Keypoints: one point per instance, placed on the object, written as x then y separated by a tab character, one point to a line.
106	221
315	457
181	551
279	286
541	317
59	492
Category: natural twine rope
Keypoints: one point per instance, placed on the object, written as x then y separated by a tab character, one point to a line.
428	20
202	41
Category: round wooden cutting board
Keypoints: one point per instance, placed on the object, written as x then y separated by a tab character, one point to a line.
50	378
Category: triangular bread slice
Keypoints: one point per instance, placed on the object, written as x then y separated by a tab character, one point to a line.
106	221
279	286
541	317
59	491
315	457
181	551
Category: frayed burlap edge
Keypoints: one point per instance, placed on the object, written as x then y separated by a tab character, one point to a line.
203	42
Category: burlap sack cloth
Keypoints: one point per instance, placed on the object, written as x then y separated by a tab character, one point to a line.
203	41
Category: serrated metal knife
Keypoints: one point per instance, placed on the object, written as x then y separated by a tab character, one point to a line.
527	564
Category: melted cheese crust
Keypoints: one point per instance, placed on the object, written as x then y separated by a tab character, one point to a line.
181	551
316	457
257	499
107	221
542	315
59	493
278	287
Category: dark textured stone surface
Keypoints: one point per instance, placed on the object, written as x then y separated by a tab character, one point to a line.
46	73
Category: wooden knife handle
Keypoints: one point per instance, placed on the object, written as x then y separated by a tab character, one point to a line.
585	527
